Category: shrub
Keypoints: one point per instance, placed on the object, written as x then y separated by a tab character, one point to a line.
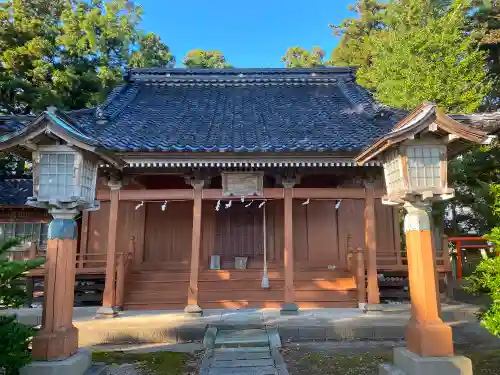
14	345
486	280
15	338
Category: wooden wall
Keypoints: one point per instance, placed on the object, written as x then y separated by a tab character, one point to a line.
322	234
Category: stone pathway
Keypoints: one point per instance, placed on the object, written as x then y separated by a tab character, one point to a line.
242	352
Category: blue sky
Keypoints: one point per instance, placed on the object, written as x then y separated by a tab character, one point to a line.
251	33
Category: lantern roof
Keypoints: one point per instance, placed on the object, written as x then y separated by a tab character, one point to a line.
56	124
428	118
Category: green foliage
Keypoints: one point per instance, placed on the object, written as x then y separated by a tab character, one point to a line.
354	46
16	337
12	291
198	58
426	56
69	53
297	57
475	176
486	279
14	346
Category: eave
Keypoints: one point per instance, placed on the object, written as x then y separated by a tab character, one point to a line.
426	118
54	122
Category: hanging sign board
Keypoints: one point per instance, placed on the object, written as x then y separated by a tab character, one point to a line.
239	184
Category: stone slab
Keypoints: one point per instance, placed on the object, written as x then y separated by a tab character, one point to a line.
233	356
412	364
77	364
243	371
246	337
242	363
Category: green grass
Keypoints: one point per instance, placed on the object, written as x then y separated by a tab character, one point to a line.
157	363
486	362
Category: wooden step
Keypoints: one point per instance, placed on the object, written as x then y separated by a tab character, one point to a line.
320	284
247	295
224	285
155	305
327	304
217	275
325	295
160	276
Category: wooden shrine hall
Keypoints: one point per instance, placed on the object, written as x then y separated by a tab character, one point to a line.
233	188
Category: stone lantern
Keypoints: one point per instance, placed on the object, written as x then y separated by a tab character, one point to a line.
65	163
414	156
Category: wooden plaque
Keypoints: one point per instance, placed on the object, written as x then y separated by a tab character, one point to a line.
237	184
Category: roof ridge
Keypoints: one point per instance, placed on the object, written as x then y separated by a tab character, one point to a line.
147	74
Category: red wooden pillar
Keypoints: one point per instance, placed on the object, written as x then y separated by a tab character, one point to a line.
58	338
289	306
109	297
371	246
426	333
193	306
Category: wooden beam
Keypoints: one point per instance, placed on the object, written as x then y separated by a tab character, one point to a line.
108	300
269	193
103	195
84	238
288	252
329	193
371	246
360	276
156	194
192	306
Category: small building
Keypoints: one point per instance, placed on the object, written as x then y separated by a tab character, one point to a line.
229	175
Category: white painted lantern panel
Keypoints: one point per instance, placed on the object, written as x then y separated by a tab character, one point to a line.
65	176
393	172
57	176
424	166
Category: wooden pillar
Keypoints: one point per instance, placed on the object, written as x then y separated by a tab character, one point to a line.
84	237
120	280
426	333
58	338
371	246
192	306
109	296
360	276
289	306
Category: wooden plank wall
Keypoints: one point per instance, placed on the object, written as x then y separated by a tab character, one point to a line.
168	233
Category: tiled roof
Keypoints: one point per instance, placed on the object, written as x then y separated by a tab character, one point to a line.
237	110
15	191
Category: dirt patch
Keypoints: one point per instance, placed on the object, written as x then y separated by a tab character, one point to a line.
363	358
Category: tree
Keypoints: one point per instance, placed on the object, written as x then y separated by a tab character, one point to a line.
69	53
427	56
198	58
16	337
297	57
486	19
354	48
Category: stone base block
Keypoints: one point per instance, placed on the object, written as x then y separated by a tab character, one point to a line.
193	310
77	364
408	363
104	312
372	307
289	309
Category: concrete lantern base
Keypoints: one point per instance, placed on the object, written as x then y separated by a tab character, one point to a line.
105	312
193	310
408	363
77	364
